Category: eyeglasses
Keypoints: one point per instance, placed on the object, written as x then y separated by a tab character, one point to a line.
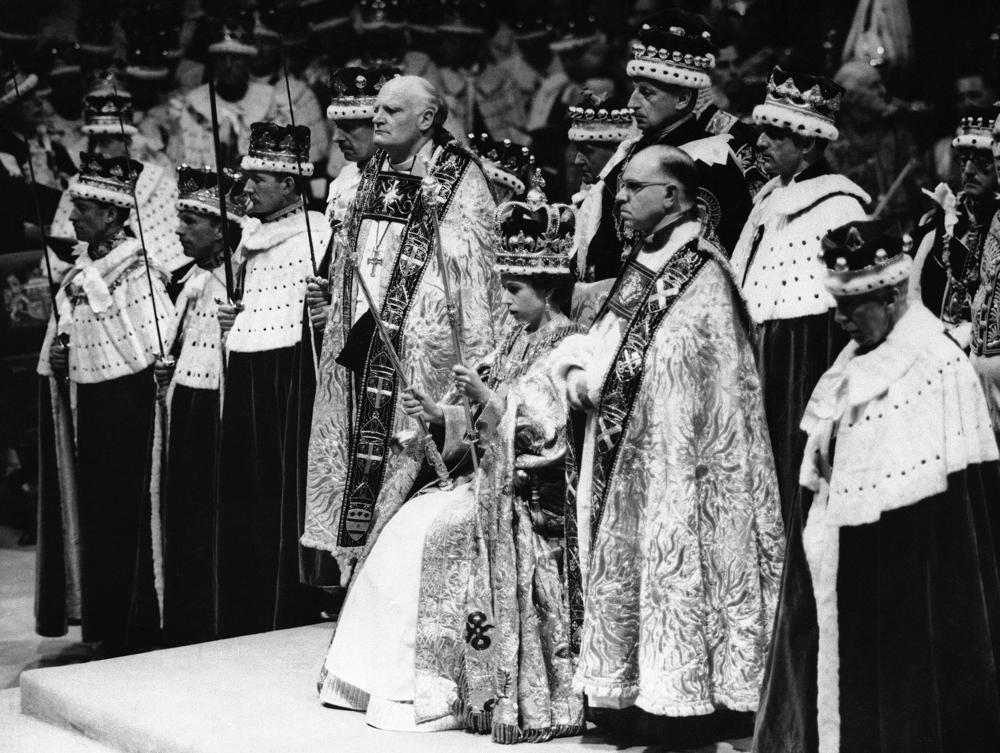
631	187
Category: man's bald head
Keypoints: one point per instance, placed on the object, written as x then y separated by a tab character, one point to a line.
856	74
865	97
659	182
408	110
671	163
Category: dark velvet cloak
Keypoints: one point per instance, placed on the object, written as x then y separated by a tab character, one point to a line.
52	583
792	354
918	601
189	508
258	533
114	429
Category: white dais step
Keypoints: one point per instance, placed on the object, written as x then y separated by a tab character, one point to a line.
255	694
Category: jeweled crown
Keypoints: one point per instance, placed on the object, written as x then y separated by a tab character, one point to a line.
678	39
535	237
271	141
106	107
596	118
864	256
354	91
360	83
508	156
504	162
801	91
114	175
198	191
975	132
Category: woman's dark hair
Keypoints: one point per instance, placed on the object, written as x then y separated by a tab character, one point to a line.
560	286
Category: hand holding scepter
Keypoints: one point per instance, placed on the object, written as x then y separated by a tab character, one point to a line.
432	196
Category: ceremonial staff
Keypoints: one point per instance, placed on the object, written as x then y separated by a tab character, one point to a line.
64	338
164	358
430	449
232	294
298	165
430	190
305	209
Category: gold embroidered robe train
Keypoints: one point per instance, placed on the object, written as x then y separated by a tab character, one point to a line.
498	649
681	573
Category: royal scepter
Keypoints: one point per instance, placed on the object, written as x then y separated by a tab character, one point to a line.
227	250
430	192
430	449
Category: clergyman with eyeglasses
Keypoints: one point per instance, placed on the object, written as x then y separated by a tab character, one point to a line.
676	478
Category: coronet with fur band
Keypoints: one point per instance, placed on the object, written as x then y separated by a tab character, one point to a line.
504	162
536	238
355	91
974	132
374	15
107	109
109	180
864	256
465	17
235	37
11	92
153	33
676	49
278	149
325	15
801	103
64	55
595	119
198	191
576	34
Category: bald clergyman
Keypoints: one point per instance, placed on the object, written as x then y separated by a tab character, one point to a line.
680	532
355	483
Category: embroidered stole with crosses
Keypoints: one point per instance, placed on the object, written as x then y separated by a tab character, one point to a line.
382	196
644	299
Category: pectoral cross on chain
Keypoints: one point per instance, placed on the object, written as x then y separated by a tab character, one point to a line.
375	262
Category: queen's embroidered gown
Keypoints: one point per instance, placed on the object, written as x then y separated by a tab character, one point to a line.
460	615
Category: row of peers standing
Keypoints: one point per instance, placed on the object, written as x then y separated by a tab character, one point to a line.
178	544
